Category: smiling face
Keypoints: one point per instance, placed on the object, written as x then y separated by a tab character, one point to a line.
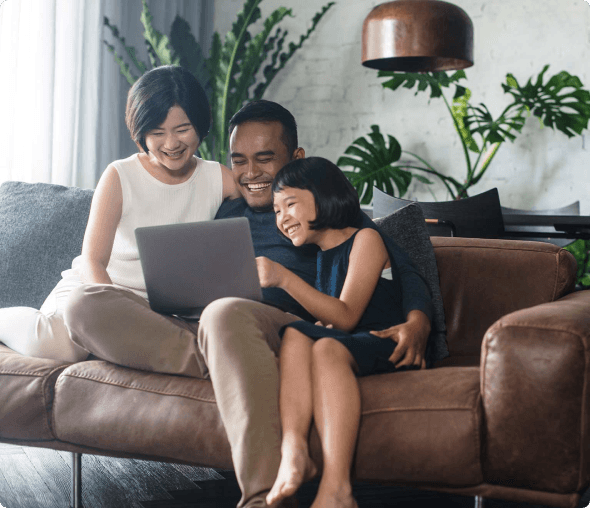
294	209
173	143
257	154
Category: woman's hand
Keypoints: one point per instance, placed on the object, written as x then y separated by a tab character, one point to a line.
270	273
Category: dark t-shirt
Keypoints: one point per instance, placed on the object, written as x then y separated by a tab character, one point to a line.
270	243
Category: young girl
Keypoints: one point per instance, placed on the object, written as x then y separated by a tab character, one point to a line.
355	292
168	115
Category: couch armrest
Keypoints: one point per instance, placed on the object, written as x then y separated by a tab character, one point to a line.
534	385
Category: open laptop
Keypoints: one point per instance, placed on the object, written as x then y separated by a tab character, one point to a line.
187	266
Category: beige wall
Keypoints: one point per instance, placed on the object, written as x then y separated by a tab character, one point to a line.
335	99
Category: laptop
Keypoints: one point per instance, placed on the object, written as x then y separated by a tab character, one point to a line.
187	266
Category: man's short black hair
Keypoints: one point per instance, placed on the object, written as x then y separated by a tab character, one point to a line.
336	201
268	111
155	92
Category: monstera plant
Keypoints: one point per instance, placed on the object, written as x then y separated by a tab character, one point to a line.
561	103
230	71
376	164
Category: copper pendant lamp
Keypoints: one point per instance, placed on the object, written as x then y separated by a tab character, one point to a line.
417	36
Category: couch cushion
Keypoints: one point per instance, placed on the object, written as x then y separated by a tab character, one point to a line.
421	427
26	395
104	406
41	231
407	228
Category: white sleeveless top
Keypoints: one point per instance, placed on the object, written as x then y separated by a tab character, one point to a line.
149	202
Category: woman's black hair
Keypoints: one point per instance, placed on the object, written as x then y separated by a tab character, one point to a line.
336	201
155	92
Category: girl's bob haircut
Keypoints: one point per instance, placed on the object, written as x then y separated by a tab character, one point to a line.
155	92
336	202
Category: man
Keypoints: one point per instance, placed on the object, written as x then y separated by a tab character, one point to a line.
237	340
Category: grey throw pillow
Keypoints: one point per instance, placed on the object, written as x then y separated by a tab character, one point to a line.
41	231
407	228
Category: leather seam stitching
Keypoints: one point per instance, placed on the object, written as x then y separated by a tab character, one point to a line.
546	328
488	247
418	408
140	388
25	373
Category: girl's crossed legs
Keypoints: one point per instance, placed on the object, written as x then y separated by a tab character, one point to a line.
317	379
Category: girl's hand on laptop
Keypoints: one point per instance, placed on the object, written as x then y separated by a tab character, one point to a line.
270	273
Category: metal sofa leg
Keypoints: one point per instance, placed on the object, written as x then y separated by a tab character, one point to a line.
478	502
76	480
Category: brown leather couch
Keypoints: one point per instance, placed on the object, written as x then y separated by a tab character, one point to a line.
505	416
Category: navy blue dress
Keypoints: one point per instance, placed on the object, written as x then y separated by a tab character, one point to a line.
370	352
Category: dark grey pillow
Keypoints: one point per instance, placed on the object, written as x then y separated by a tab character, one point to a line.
407	228
41	231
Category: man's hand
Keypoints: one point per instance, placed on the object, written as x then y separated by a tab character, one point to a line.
411	338
270	273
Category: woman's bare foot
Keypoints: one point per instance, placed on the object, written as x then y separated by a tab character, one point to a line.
334	499
296	467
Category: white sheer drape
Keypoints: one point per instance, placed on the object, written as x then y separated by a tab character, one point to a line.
49	100
62	98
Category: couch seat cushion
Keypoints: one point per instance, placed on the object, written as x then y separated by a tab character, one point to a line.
109	407
26	395
421	427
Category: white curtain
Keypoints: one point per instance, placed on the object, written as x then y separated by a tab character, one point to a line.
62	98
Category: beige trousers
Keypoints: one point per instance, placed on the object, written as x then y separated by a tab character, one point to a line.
235	345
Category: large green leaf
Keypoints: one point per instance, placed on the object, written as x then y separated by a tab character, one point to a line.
492	131
231	56
230	70
123	66
158	44
436	81
459	110
559	103
140	66
278	58
189	52
581	251
253	58
373	162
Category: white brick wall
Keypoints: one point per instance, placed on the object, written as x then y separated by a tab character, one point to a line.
335	99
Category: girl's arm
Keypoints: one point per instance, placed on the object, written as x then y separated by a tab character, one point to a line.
368	257
230	189
105	213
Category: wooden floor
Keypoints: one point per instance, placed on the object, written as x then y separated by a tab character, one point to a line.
41	478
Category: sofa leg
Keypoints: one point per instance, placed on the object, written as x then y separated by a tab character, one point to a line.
76	480
478	502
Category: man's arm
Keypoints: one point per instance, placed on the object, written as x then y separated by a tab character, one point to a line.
411	336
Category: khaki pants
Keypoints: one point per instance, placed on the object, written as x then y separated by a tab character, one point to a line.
235	345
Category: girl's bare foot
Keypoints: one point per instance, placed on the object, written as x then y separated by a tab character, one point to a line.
296	467
334	499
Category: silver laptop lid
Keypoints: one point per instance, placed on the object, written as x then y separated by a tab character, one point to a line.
187	266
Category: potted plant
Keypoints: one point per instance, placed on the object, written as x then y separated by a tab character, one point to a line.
230	71
561	103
